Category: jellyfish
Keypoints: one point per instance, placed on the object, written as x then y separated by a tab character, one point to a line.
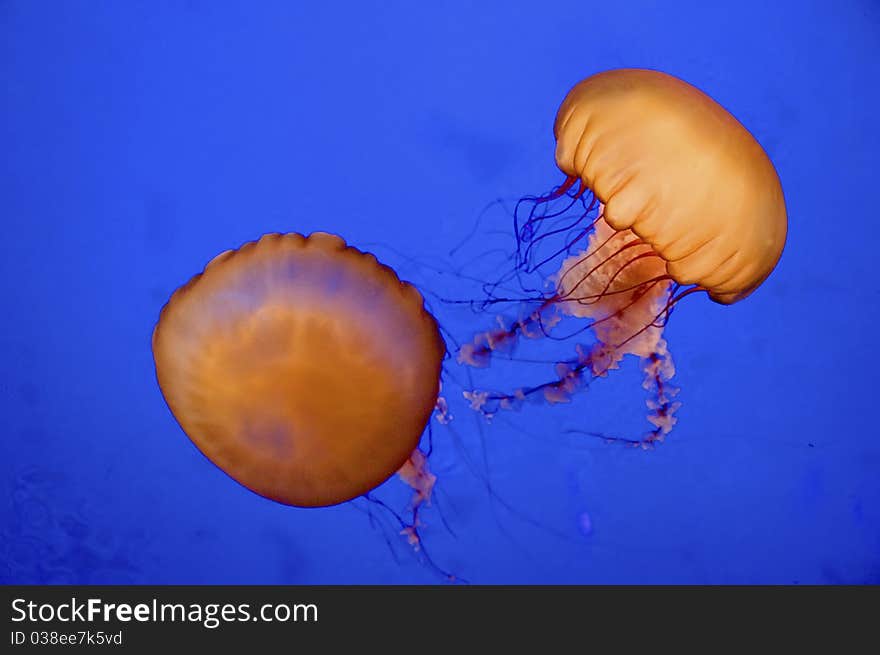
666	195
304	369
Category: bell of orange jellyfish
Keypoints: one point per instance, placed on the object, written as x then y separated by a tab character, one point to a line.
302	367
675	197
683	174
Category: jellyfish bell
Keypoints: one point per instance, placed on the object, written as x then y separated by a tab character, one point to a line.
302	367
682	173
675	197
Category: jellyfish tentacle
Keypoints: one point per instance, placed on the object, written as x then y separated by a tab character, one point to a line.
410	529
478	352
659	368
565	186
619	286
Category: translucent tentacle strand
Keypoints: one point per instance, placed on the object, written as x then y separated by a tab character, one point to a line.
617	284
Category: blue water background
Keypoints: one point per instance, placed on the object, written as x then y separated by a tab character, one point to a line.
140	139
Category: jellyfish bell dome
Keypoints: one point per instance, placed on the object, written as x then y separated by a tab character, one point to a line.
682	173
302	367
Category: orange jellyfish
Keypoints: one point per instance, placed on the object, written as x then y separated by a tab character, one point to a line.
304	369
675	197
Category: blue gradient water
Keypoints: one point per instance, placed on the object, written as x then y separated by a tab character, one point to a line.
139	140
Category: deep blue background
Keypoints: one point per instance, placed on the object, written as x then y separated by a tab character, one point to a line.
139	139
